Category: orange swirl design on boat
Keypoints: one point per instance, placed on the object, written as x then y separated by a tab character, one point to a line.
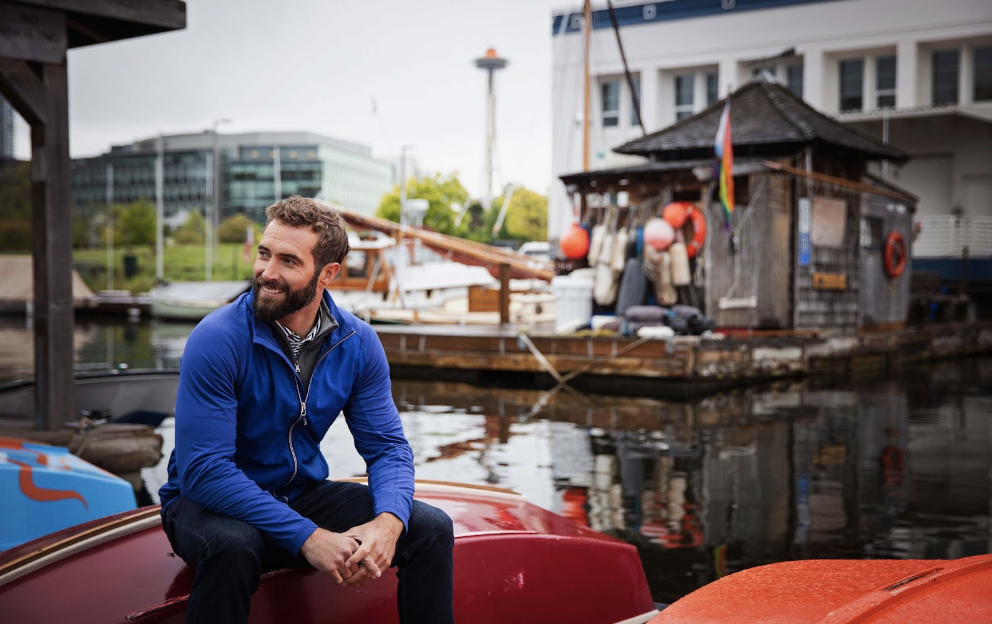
40	494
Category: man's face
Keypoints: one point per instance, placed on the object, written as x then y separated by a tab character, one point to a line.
285	276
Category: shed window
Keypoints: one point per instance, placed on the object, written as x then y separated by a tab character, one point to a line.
871	233
794	76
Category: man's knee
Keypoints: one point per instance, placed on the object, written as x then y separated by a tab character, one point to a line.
432	523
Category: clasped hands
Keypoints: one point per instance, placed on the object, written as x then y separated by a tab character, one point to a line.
357	555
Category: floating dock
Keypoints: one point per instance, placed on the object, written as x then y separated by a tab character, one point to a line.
678	367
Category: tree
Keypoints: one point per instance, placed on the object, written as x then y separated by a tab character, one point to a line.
134	223
192	231
526	218
233	228
15	206
440	193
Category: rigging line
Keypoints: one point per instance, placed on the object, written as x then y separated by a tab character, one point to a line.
576	103
635	98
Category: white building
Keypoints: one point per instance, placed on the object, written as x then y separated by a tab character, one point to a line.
916	72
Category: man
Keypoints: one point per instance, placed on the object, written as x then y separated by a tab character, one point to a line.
260	383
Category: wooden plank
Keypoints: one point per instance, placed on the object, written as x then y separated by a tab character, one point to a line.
166	14
52	248
850	184
24	90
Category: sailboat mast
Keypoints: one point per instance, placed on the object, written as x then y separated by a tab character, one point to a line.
587	25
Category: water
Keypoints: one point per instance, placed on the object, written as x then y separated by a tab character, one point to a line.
892	466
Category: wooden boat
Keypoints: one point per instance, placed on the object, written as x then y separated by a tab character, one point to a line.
844	592
191	301
514	562
45	488
141	397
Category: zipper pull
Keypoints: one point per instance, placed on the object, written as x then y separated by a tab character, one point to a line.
303	413
297	366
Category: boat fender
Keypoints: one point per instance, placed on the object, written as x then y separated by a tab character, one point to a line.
618	257
895	255
658	333
633	286
663	288
680	265
605	289
596	243
645	314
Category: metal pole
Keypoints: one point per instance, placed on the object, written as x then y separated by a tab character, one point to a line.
490	135
110	226
277	173
208	208
212	208
159	209
587	25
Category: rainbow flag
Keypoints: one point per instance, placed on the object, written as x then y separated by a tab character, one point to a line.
725	163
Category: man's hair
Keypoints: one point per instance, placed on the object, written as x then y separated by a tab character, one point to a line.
295	211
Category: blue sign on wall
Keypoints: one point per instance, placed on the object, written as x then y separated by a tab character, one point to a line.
804	249
804	228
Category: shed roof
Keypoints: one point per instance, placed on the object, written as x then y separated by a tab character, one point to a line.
766	119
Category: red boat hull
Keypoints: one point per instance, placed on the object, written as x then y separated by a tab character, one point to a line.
514	562
844	592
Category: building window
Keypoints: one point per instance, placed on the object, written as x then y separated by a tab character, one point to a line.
852	85
794	79
684	91
945	76
983	74
635	119
712	88
885	82
610	94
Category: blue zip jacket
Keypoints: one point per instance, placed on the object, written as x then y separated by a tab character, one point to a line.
248	432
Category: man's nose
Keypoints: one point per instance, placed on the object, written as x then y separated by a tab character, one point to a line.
269	272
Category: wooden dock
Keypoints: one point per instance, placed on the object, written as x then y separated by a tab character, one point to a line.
680	367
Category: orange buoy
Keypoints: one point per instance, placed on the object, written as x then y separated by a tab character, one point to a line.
676	213
895	255
575	242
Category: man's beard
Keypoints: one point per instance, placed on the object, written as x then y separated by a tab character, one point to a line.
293	301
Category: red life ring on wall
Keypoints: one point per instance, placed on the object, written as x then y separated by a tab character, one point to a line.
698	231
895	255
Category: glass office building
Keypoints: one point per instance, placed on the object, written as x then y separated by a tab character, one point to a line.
252	170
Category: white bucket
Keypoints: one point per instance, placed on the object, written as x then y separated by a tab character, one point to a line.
573	302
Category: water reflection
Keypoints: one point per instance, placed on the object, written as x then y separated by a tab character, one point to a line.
894	467
887	467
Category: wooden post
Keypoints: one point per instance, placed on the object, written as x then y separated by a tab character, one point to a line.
504	294
51	232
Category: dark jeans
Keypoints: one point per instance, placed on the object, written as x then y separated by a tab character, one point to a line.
230	555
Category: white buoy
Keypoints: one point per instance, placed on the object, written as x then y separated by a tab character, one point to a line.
663	288
618	257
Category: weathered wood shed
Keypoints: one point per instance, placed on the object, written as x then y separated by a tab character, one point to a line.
806	246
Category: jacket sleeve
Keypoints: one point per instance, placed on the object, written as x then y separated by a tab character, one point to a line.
375	425
206	431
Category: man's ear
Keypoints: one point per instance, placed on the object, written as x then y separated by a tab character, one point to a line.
329	272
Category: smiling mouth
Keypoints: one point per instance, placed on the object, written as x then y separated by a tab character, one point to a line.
271	291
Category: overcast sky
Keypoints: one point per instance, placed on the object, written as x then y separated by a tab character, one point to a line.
317	65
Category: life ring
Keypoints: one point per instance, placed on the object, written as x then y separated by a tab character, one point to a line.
698	231
895	255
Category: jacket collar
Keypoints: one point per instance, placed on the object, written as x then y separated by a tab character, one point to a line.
264	333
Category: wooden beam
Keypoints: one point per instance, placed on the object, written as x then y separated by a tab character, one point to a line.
24	90
504	294
51	233
167	14
851	184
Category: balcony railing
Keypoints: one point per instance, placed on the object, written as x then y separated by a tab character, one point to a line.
948	236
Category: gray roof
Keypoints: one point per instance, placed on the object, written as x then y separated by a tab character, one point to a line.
766	119
649	169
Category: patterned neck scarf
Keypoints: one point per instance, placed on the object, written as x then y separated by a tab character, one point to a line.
295	342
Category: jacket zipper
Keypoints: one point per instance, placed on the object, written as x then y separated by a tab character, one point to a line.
303	406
